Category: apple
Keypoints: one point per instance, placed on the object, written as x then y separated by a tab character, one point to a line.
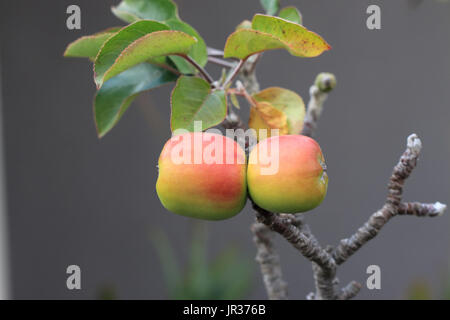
300	182
202	175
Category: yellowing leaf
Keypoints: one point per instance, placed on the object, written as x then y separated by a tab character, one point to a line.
287	101
269	33
265	116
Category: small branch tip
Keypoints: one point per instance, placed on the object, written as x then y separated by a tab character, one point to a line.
440	208
325	81
313	90
414	143
350	291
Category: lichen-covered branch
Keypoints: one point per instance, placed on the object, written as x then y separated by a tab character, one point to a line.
318	92
393	205
303	242
325	261
248	74
421	209
299	236
269	262
350	291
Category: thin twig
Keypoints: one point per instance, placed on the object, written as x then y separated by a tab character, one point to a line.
318	92
202	71
221	62
233	73
248	74
214	52
421	209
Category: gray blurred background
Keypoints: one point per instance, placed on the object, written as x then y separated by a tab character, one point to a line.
74	199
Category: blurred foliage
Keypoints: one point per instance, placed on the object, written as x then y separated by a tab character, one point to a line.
421	289
227	276
107	292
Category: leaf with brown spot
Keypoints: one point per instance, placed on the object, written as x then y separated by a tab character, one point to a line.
286	101
269	33
263	115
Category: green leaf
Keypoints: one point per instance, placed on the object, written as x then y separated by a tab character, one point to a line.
88	46
287	101
271	6
150	46
116	94
133	10
291	14
193	99
271	33
114	46
198	51
165	11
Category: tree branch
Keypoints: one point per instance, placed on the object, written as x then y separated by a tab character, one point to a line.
212	52
248	74
221	62
324	83
233	73
421	209
303	242
291	227
326	261
269	262
350	291
393	205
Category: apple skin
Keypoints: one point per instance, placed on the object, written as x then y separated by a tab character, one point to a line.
210	191
301	182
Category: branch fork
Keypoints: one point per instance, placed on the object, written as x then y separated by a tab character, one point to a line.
325	260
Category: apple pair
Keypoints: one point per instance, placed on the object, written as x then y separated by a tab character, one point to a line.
205	175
